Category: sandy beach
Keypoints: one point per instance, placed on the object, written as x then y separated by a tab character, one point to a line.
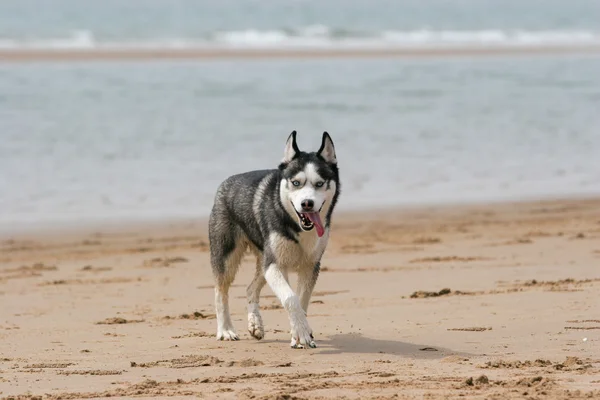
140	54
483	301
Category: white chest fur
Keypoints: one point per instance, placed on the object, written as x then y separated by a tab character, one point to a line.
313	245
307	251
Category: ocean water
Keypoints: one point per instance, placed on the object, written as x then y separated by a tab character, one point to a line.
123	141
260	23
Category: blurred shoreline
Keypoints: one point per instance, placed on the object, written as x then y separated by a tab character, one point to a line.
198	223
140	54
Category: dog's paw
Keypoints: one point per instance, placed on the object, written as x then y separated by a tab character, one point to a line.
227	334
297	344
302	336
255	325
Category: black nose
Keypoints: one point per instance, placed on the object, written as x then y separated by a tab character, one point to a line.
307	205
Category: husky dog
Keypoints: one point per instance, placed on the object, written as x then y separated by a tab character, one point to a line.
283	216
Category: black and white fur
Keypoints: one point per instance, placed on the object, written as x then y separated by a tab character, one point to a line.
283	216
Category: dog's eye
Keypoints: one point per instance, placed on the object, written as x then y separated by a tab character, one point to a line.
319	184
296	183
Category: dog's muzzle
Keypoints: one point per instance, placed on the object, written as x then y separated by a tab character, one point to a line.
310	220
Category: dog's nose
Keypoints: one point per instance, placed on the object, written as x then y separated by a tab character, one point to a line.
307	205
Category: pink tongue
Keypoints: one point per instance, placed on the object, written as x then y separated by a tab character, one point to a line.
315	218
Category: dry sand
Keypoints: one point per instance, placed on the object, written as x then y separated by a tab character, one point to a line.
129	312
141	54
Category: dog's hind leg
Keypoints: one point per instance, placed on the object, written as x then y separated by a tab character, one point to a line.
227	250
255	323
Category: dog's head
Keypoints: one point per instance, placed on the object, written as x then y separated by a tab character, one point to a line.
310	183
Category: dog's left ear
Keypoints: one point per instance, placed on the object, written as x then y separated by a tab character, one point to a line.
291	148
327	150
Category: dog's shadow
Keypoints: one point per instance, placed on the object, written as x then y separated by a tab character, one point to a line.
357	343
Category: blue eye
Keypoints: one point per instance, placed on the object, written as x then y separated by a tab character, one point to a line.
319	184
296	183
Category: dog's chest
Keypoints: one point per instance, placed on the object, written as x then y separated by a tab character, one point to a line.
306	250
311	245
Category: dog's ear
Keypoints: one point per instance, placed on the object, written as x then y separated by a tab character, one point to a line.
327	150
291	148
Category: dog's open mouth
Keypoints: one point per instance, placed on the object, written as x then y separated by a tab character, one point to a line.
305	222
308	220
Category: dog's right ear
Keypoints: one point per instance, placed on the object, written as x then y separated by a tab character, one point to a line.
291	149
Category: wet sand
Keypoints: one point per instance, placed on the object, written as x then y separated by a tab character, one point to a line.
140	54
490	301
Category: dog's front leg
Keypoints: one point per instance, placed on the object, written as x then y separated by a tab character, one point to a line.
301	332
307	279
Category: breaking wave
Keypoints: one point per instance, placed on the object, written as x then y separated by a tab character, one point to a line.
316	36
